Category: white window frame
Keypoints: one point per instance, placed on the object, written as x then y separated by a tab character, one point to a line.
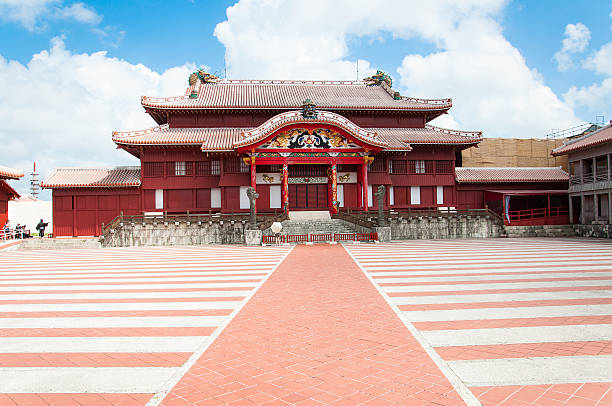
180	168
415	195
391	196
159	198
340	194
275	196
439	194
419	166
215	167
244	198
244	167
370	200
215	198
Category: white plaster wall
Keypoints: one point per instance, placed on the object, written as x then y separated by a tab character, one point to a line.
30	213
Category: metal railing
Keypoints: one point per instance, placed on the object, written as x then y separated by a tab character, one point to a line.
371	215
326	237
541	215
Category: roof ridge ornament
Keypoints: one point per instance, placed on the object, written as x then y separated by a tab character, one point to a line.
309	109
204	77
379	78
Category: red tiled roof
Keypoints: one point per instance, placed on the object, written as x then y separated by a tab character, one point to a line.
223	139
290	94
121	176
220	139
590	140
10	173
398	138
508	175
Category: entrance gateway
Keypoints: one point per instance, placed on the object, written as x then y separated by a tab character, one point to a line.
317	158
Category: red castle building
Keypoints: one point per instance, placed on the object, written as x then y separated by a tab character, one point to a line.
7	192
303	145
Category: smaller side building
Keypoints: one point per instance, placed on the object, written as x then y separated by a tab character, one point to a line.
84	198
522	196
6	191
590	176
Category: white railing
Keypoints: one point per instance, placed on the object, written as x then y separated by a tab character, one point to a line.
13	234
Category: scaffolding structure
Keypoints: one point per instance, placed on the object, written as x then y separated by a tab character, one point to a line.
569	133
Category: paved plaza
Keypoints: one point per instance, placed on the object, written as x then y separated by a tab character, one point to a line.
453	322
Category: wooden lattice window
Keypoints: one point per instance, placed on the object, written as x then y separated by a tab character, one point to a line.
202	168
445	167
153	169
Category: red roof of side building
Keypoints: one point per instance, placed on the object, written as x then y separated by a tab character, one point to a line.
290	94
223	139
510	175
587	141
121	176
10	173
12	193
396	137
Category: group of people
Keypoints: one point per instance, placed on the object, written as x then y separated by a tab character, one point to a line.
20	230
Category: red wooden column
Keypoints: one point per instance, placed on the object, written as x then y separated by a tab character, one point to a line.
254	178
285	188
364	180
334	189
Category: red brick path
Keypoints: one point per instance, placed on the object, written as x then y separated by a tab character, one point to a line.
317	332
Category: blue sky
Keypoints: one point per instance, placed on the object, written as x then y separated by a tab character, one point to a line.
161	36
498	59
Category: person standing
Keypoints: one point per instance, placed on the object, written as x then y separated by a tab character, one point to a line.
41	228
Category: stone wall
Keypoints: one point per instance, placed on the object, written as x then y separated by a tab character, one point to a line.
594	230
58	243
176	233
444	227
554	231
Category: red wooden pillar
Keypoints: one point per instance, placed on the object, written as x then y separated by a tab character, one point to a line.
334	189
364	181
285	188
254	178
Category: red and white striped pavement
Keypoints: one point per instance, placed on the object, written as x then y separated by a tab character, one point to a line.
115	326
517	321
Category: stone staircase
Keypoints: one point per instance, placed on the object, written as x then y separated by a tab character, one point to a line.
302	227
540	231
316	222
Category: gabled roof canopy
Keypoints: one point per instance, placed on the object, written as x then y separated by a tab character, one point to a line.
255	136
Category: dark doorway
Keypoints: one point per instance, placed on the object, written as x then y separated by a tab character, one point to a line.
308	197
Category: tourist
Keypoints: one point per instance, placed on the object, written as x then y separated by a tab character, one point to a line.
7	229
41	228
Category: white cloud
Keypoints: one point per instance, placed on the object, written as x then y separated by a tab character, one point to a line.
492	87
33	14
80	13
595	99
601	61
109	35
576	39
61	108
